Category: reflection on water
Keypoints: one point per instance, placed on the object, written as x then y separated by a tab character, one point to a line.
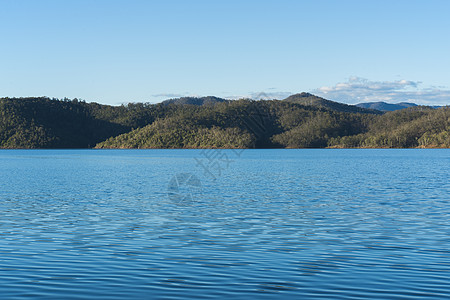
327	224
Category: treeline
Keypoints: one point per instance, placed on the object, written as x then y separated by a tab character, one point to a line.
53	123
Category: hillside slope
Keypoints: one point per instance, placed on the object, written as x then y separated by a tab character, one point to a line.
313	100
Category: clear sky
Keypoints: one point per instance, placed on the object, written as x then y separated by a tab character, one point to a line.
146	51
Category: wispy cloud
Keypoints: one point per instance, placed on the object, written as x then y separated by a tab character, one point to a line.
263	95
358	89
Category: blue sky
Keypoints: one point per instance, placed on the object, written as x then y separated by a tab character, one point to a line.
146	51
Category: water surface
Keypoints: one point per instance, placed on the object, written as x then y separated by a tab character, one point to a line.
330	224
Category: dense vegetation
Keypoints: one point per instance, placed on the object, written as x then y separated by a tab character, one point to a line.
300	121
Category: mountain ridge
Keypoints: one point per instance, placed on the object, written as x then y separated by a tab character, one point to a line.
44	123
384	106
207	100
305	98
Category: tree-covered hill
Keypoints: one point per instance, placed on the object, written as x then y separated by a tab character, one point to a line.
52	123
273	124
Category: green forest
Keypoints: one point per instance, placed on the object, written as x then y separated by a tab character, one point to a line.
299	121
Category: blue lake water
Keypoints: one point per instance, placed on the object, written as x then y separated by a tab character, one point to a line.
139	224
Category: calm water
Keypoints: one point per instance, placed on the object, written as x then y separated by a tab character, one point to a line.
330	224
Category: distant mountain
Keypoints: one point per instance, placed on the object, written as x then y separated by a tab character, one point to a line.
209	100
383	106
310	99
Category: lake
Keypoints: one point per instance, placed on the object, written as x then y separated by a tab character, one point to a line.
239	224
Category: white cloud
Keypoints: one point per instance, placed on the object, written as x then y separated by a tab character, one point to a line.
357	90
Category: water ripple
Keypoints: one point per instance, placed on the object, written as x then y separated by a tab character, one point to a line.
315	224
